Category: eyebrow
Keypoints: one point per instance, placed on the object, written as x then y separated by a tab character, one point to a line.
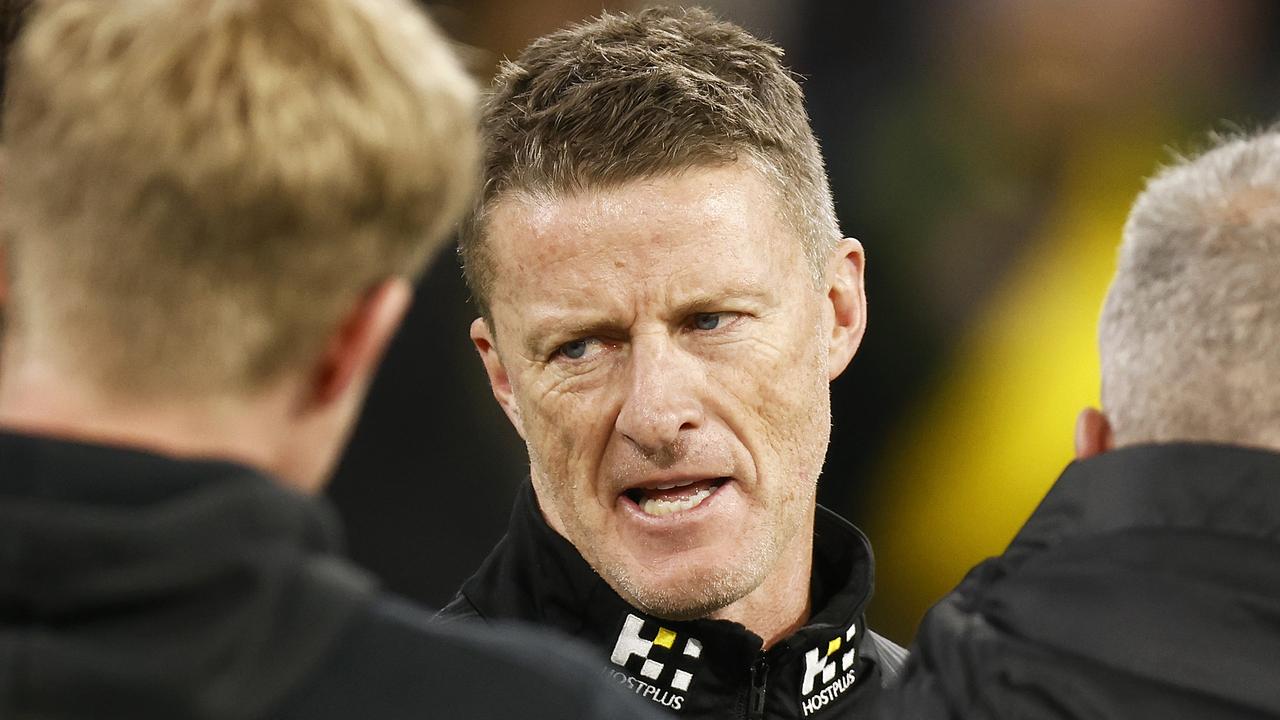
573	324
698	302
564	326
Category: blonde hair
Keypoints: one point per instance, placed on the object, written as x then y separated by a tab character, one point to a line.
1190	332
198	190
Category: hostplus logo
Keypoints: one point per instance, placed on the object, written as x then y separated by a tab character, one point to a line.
659	656
829	670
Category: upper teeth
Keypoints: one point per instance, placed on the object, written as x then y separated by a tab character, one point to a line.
658	506
673	485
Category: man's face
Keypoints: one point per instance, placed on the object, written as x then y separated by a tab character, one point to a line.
664	350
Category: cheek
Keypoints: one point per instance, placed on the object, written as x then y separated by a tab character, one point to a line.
796	413
565	432
784	395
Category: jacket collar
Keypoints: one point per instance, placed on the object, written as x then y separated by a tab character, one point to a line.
1153	563
536	575
1220	488
106	551
57	494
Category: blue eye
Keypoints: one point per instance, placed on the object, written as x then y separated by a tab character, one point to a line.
573	350
707	321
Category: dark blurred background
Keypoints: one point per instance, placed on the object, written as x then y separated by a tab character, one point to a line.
985	153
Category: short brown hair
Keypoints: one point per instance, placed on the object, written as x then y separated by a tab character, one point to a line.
626	97
198	190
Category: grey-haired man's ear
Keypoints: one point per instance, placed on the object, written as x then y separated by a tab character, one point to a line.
1093	434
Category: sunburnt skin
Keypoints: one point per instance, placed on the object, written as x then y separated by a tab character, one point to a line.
664	351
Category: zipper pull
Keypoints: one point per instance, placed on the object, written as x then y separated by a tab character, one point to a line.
759	683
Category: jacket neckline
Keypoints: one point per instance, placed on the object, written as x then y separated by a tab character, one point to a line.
544	579
1139	563
1225	489
201	586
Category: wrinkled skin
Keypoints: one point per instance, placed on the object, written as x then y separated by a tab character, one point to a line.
667	330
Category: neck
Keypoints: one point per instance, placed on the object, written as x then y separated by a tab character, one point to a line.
781	604
236	430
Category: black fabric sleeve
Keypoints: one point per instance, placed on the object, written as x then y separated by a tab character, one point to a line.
392	664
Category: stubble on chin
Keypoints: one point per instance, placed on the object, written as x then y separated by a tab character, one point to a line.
695	592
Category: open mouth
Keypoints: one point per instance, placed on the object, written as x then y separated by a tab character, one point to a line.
675	497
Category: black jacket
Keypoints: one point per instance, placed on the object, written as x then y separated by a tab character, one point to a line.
834	667
1146	585
136	586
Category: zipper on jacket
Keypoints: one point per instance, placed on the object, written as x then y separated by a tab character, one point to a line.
756	695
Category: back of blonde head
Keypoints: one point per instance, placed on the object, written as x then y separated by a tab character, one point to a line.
1190	333
197	190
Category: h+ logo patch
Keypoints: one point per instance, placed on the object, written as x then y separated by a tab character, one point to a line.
823	661
630	644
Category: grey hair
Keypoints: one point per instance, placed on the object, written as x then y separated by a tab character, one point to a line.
1190	331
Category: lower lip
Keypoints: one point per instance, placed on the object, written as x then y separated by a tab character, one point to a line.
633	510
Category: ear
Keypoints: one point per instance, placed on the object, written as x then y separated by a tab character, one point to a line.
1093	434
483	338
846	293
355	350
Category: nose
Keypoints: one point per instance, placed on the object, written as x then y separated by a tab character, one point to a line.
662	397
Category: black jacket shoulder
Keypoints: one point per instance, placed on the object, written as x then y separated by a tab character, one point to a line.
1144	586
391	664
141	587
460	608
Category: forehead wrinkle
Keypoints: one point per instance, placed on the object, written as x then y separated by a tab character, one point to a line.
644	202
